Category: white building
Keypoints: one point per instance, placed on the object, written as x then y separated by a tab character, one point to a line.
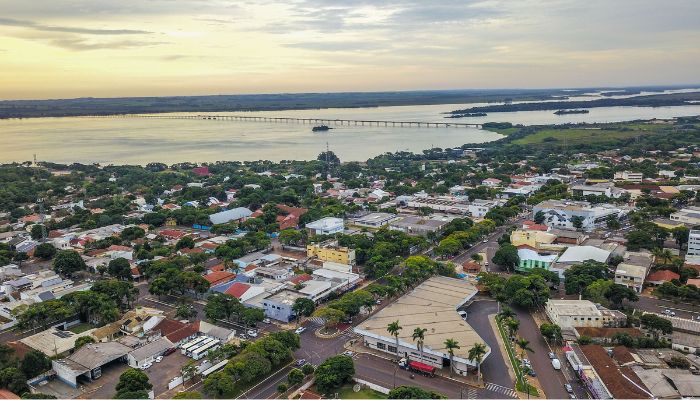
628	176
581	313
478	208
562	214
326	226
693	254
688	216
633	270
599	189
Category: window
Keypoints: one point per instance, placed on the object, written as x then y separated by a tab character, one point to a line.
391	348
381	346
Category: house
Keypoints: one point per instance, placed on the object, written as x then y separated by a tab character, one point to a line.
634	268
530	258
148	353
582	313
491	182
235	215
662	276
536	239
330	251
219	277
326	226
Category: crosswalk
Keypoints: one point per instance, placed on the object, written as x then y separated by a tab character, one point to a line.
501	390
472	393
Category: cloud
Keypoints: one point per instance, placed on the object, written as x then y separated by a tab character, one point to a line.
337	46
82	44
66	29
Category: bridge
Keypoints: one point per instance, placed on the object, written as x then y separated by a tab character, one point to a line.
313	121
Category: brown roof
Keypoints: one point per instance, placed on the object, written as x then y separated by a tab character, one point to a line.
186	331
6	394
612	377
168	326
622	355
607	332
663	275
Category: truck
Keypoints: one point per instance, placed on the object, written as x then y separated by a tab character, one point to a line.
417	366
556	364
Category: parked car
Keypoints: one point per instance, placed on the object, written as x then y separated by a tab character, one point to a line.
159	359
252	333
378	302
169	351
146	366
552	356
531	372
300	330
568	388
266	321
301	362
349	353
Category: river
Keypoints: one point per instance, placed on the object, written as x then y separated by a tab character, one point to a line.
139	141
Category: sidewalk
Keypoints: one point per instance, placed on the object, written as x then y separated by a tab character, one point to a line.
356	346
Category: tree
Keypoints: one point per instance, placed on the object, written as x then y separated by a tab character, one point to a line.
45	251
35	363
185	242
188	395
82	341
282	387
331	316
512	324
295	377
476	354
290	237
613	223
551	332
119	268
68	262
333	373
451	345
678	362
539	217
577	221
328	157
222	306
419	337
394	328
524	345
413	392
507	256
37	231
618	293
656	325
303	306
580	276
13	380
219	385
133	381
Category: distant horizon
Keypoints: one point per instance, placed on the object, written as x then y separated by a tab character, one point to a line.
493	89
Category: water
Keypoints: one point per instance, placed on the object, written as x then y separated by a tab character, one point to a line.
139	141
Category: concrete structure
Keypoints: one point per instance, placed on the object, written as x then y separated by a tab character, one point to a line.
326	226
693	244
669	383
54	342
532	238
530	259
87	362
432	305
448	205
419	226
582	313
561	214
478	208
331	252
279	305
148	353
689	216
628	176
598	189
633	270
375	220
236	214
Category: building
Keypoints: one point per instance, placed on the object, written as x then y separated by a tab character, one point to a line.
617	383
279	305
54	342
530	259
148	353
632	271
533	238
433	305
448	205
599	189
374	220
326	226
662	276
689	216
478	208
236	214
419	226
491	182
665	383
694	245
88	361
582	313
628	176
563	214
331	252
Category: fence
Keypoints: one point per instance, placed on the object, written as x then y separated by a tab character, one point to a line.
380	389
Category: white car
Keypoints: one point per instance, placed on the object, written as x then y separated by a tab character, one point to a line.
252	333
266	321
300	330
349	353
146	366
159	359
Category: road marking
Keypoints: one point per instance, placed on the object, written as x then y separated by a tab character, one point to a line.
472	394
501	390
678	309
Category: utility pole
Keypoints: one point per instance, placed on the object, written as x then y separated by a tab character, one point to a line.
40	201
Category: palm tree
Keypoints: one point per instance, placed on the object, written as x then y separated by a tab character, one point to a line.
524	345
451	345
476	353
506	312
513	325
419	338
394	328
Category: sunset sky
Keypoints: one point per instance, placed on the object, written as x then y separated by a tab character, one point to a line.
107	48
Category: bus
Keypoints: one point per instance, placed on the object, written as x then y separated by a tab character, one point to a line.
198	346
202	351
192	343
214	368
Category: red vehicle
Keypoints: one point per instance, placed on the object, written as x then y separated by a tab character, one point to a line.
417	366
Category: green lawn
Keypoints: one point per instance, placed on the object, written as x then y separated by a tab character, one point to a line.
592	135
520	383
502	131
346	392
80	328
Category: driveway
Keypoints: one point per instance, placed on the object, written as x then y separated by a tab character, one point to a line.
494	367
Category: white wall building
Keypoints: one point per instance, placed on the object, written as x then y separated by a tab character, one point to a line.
326	226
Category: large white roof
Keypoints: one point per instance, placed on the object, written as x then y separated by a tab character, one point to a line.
584	253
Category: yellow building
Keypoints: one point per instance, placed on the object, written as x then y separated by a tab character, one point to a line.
533	238
337	254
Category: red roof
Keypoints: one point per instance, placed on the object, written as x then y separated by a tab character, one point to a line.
6	394
297	279
172	233
201	171
218	277
237	290
217	267
168	326
189	251
534	226
210	246
115	247
525	246
663	276
694	282
617	382
185	332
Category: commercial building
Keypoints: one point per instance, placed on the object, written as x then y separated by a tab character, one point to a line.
326	226
694	245
148	353
279	305
628	176
236	214
582	313
530	259
478	208
448	205
330	251
88	361
419	226
689	216
633	270
533	238
432	305
563	214
374	220
599	189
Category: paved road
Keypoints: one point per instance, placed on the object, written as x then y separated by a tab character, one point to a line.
494	367
682	310
489	247
551	380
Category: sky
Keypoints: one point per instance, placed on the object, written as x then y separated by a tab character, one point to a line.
114	48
